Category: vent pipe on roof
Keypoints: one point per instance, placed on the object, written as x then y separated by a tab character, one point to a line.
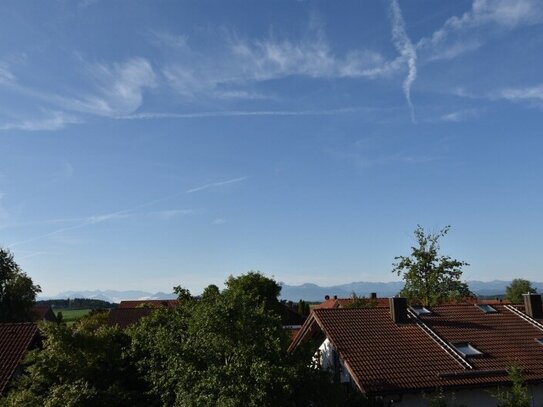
532	304
335	297
373	296
326	297
398	309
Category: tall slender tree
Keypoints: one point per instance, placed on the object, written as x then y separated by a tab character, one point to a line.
430	278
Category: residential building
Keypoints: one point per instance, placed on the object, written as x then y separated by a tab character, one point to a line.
405	355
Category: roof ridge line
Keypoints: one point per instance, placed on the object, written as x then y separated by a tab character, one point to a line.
437	339
525	317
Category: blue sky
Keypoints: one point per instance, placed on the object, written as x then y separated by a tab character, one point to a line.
147	144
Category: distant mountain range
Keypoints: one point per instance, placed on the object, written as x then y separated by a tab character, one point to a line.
308	291
112	295
313	292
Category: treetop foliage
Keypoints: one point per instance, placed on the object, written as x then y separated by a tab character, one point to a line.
518	286
17	291
430	278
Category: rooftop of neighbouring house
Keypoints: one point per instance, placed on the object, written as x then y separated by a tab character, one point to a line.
335	302
124	317
43	313
15	340
385	357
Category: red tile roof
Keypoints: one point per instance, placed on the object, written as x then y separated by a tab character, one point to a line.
147	303
344	302
43	313
15	341
384	357
290	317
123	317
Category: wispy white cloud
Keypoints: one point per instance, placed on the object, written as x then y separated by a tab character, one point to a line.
405	47
118	88
6	76
236	113
472	29
244	62
532	93
215	184
54	120
461	115
124	213
164	38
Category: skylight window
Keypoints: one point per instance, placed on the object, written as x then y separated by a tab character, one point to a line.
420	310
487	309
466	349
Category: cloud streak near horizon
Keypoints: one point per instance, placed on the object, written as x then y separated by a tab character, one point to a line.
96	219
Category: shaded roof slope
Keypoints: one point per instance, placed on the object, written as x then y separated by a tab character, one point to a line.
503	337
123	317
15	341
385	357
44	313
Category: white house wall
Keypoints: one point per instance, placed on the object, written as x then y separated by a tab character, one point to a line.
326	352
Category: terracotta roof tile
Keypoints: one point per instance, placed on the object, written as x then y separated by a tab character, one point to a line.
123	317
344	302
291	317
385	357
15	341
44	313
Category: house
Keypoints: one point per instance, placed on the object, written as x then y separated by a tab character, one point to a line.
43	313
15	340
124	317
335	302
402	355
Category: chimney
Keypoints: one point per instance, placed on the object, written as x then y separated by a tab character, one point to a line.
398	309
373	296
532	304
326	297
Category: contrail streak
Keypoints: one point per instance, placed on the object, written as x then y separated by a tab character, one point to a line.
405	47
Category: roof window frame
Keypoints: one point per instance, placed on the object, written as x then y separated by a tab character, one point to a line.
472	351
487	308
421	310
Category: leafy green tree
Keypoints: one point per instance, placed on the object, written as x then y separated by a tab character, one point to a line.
85	364
430	278
518	286
361	302
17	291
303	308
228	349
517	395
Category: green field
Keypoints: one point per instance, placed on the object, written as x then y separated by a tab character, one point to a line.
71	315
